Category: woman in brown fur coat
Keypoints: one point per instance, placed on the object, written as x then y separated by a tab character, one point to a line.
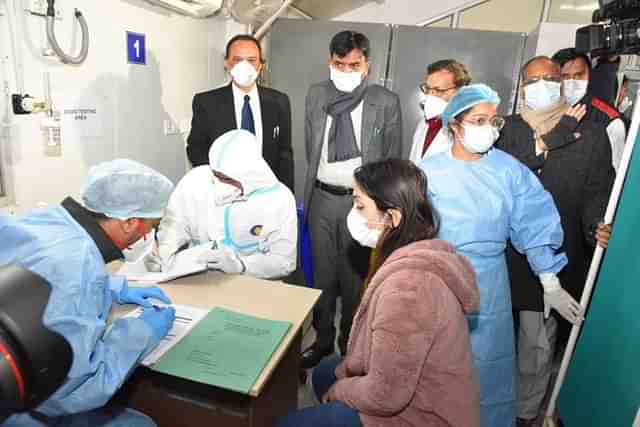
409	357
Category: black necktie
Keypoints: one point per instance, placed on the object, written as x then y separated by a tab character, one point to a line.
247	116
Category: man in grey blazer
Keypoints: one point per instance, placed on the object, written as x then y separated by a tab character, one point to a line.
348	122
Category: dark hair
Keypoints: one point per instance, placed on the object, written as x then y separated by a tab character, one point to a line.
345	41
398	184
461	76
245	38
523	70
570	54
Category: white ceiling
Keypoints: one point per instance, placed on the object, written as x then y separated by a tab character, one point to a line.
326	9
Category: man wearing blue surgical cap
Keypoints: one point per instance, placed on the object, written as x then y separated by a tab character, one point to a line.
486	197
69	245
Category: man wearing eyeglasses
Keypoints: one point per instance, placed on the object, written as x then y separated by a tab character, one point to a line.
243	104
348	122
442	81
572	158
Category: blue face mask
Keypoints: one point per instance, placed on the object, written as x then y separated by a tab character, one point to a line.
541	94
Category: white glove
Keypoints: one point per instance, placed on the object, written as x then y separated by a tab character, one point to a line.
223	259
557	298
155	263
152	261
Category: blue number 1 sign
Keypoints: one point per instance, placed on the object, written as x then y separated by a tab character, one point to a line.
136	48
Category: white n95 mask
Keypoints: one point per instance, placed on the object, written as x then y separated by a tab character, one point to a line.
479	139
541	94
345	82
433	106
244	74
575	90
361	233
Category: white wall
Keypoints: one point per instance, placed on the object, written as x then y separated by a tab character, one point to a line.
132	101
494	15
550	38
401	12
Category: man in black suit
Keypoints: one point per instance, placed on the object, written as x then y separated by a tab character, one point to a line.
243	104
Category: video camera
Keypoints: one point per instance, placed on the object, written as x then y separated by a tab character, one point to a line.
34	361
620	35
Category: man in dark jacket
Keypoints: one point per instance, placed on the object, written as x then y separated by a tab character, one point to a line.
577	85
243	104
572	158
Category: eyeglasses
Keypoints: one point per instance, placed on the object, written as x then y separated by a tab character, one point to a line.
495	121
532	80
434	90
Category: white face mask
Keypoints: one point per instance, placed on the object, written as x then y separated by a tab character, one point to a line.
360	231
479	139
139	249
433	106
244	74
575	90
541	94
345	82
224	193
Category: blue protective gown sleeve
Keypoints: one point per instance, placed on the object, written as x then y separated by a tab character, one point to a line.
51	244
535	228
103	358
116	284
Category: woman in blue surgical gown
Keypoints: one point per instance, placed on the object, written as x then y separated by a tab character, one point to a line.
485	197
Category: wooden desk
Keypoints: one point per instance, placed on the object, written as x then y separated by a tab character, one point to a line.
175	402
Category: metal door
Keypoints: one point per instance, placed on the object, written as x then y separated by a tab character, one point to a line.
492	57
299	57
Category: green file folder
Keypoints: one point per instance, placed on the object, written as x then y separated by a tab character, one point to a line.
225	349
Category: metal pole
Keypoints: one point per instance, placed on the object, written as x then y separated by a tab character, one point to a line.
300	12
616	192
265	27
455	19
435	19
546	11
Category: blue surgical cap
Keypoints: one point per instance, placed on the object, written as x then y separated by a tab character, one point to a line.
126	189
467	97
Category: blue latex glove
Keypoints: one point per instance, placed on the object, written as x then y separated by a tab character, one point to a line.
160	320
142	296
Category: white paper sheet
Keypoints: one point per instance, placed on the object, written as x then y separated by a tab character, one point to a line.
183	264
186	318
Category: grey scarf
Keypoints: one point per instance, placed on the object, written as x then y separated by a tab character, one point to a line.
342	138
